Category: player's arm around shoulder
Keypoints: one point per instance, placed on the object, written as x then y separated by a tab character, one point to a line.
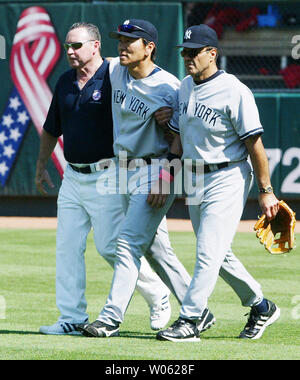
267	200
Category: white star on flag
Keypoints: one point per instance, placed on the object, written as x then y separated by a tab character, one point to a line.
22	117
7	120
3	138
8	151
14	103
3	168
14	122
15	134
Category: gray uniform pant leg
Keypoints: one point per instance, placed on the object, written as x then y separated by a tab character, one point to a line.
164	261
133	241
215	221
236	275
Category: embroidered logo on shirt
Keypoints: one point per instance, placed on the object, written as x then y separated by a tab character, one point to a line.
96	95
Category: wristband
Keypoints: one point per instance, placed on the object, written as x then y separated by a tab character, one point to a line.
165	176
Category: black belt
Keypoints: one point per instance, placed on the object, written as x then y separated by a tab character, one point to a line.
84	169
103	164
212	167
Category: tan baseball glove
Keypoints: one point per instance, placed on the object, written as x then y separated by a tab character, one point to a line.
278	235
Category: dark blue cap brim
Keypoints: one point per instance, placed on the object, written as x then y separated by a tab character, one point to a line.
144	35
116	35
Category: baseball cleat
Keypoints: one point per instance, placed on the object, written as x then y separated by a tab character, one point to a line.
181	330
257	322
160	314
206	321
60	328
99	329
184	330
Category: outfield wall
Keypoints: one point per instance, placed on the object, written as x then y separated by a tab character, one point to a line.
19	144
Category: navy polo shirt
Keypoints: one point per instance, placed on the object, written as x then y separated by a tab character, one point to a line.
83	117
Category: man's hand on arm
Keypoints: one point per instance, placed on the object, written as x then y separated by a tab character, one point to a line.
163	116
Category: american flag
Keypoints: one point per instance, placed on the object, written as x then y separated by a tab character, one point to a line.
13	125
34	53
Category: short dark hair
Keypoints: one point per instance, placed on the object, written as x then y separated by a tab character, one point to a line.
92	29
153	54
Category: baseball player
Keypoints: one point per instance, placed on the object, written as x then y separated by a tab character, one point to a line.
219	126
139	89
81	111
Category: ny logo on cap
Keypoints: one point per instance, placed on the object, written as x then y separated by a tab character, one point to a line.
126	22
188	34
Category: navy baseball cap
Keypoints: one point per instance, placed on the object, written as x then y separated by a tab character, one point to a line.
198	36
136	29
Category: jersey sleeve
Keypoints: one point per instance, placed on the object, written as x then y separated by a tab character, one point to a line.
53	123
172	101
244	114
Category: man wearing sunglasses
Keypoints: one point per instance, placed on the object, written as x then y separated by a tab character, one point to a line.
139	89
219	127
81	112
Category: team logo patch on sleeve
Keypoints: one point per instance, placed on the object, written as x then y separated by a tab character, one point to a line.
96	95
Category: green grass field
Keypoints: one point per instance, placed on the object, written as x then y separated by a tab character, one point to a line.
27	300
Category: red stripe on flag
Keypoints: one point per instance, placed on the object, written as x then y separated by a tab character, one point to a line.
31	85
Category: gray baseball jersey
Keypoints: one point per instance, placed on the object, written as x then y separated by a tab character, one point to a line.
136	100
215	117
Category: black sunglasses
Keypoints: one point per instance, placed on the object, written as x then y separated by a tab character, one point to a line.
75	45
128	28
191	53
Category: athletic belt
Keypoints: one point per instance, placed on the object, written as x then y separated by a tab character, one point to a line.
208	168
93	168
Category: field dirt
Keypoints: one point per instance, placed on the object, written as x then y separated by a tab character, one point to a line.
48	223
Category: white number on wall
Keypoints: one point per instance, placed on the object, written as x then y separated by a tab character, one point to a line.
289	185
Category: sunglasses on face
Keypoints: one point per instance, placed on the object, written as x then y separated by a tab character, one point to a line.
128	28
75	45
191	53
